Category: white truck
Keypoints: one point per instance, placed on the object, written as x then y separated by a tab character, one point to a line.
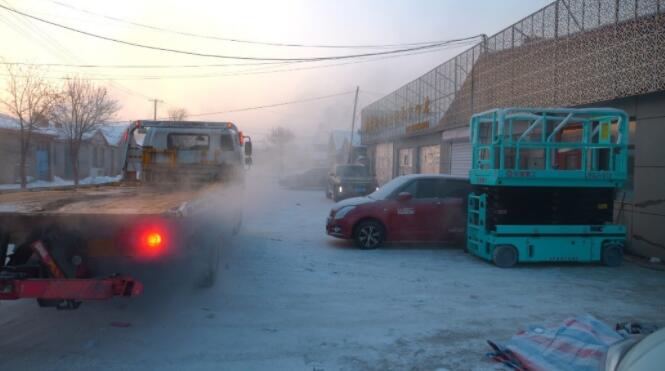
178	194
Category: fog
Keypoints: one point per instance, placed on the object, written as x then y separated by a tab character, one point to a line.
215	89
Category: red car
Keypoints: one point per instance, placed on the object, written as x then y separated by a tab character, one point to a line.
419	207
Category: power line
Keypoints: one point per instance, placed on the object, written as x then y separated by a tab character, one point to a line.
209	55
151	66
211	37
60	50
270	105
255	71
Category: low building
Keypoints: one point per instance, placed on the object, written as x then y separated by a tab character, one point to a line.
39	160
48	155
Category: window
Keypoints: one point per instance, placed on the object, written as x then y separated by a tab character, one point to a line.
453	188
188	141
352	171
421	188
427	188
226	142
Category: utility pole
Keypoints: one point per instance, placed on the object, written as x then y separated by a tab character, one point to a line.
353	125
154	111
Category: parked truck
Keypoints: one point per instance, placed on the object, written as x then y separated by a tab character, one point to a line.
57	244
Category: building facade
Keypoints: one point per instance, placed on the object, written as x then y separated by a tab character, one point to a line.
571	53
48	155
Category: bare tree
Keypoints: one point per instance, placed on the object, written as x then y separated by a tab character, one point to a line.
279	137
30	98
177	114
80	109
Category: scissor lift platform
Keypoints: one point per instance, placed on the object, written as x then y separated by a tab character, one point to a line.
535	152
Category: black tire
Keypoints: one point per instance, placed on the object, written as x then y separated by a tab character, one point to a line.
505	256
237	223
612	255
335	196
67	250
369	234
208	276
327	190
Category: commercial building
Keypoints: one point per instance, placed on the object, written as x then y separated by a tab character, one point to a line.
571	53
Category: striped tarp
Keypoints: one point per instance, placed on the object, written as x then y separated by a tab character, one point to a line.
579	343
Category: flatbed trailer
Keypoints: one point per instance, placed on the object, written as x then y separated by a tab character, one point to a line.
56	245
81	229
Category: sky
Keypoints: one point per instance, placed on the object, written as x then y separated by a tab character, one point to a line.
224	88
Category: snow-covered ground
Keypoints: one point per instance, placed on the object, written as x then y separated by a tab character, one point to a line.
59	182
290	298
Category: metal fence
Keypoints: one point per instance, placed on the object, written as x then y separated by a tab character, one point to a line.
570	52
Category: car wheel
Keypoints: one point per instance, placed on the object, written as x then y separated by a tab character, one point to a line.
612	254
369	234
336	196
327	190
504	256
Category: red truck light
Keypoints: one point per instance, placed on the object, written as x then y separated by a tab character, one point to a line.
153	240
152	243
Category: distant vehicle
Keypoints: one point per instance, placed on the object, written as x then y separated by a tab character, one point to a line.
348	181
418	207
315	178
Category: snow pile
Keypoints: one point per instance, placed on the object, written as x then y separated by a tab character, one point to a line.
114	132
59	182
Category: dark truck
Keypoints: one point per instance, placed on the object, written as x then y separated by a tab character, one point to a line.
177	197
349	181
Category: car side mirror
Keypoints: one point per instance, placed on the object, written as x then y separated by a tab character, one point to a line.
404	197
248	148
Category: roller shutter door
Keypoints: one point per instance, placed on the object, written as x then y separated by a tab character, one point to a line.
460	162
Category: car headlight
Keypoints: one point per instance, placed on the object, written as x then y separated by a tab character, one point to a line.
341	213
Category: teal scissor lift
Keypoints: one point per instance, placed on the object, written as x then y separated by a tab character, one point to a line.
544	181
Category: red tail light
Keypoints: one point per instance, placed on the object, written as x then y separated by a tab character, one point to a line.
153	240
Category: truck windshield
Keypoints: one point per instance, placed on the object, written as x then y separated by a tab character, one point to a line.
352	171
188	141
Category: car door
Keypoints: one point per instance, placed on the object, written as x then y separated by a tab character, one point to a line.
412	220
452	195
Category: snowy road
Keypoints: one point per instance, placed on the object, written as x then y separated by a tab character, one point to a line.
290	298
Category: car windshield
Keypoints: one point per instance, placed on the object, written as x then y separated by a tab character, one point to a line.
352	171
387	189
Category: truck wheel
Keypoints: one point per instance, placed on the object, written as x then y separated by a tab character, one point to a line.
612	254
66	249
504	256
369	234
208	276
237	223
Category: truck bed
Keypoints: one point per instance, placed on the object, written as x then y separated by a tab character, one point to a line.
107	199
99	211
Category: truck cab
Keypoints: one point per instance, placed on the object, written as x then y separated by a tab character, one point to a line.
189	151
